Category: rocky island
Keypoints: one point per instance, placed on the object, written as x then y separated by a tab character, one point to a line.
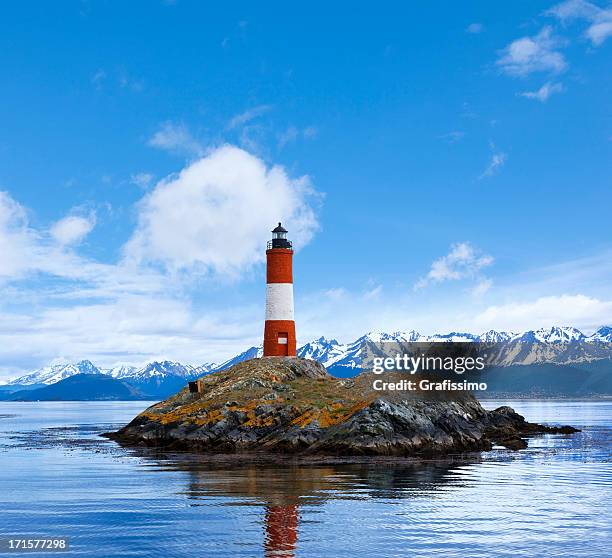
293	406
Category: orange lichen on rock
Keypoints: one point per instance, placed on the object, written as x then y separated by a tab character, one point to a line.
305	418
255	421
339	414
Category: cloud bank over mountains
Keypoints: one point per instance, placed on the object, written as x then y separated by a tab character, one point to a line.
210	221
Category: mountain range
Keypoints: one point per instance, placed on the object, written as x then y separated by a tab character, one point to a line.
551	346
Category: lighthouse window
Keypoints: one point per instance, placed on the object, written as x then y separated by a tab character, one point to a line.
282	338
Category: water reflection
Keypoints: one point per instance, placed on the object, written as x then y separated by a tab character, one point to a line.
282	488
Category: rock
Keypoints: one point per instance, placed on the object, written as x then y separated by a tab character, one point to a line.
291	405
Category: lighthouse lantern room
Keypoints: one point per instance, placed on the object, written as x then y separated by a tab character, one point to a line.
279	331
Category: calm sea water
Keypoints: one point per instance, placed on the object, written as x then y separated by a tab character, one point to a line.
59	478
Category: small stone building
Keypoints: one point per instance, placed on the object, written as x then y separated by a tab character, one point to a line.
197	386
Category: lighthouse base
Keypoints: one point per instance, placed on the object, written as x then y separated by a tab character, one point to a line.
279	338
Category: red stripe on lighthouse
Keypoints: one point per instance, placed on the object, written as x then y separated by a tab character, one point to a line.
280	265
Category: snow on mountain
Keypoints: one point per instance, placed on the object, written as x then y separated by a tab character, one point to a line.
560	345
331	353
318	349
52	374
602	335
493	336
555	345
395	337
343	359
161	369
453	337
122	371
205	368
552	335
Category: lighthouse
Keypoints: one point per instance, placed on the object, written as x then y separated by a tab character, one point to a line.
279	331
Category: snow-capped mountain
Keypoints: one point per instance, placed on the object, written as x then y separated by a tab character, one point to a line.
156	369
122	371
602	335
163	369
556	345
453	337
493	336
335	356
551	335
52	374
161	378
319	349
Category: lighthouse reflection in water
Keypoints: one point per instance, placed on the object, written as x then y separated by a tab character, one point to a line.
283	489
280	489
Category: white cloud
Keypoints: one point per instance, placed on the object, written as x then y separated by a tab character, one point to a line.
577	310
122	78
217	213
248	115
128	82
475	28
498	160
251	135
600	31
336	293
373	293
310	132
453	137
142	179
175	137
574	9
127	329
532	54
98	78
73	229
599	19
25	251
288	136
544	93
57	304
463	261
16	238
482	287
292	134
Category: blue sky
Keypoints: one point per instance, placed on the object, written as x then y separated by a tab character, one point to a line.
441	166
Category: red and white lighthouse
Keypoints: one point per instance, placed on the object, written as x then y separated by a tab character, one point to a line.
279	331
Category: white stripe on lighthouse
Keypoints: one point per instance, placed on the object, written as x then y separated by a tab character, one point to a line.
279	301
